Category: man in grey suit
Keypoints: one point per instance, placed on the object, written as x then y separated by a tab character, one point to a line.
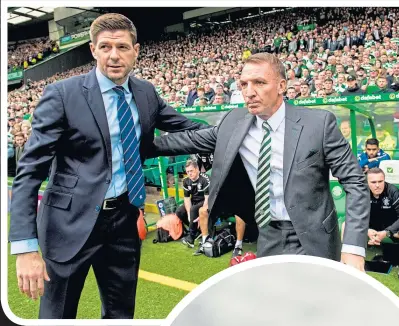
95	130
271	165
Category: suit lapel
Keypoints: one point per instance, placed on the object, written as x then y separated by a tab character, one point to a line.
240	130
292	133
140	99
92	92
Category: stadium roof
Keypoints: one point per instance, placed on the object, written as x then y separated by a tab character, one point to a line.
24	15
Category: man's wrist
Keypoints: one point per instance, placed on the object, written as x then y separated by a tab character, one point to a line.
24	246
354	250
388	233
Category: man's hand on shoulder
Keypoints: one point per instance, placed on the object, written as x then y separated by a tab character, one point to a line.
31	274
353	260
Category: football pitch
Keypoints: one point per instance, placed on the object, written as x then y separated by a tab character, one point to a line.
168	271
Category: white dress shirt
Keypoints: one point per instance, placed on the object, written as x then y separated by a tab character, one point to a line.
249	152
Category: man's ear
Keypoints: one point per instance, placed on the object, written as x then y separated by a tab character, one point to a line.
136	48
92	49
282	86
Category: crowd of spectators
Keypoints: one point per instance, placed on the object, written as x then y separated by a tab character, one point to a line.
26	53
326	51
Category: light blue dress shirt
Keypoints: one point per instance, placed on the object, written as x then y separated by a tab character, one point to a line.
118	183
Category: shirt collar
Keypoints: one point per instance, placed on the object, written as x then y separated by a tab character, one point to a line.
275	120
106	84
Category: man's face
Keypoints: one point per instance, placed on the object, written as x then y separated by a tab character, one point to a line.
396	69
262	88
328	85
219	90
115	54
345	129
371	150
218	99
291	93
373	73
304	90
381	82
192	172
19	141
376	182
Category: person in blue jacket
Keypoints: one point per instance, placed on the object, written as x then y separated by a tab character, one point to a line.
373	155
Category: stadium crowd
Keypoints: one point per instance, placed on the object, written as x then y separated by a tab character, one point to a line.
26	53
327	52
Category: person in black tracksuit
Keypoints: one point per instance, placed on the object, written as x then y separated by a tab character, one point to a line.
196	192
384	213
353	87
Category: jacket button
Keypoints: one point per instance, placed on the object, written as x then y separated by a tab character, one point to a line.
98	208
107	181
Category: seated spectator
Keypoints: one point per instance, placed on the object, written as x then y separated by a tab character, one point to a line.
236	95
196	192
290	94
220	92
192	94
382	86
219	99
346	131
321	93
372	156
204	226
200	94
209	91
384	212
353	87
328	87
305	91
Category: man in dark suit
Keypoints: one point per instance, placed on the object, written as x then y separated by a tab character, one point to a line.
272	163
95	130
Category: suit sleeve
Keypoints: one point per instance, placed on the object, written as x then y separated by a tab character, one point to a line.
394	228
188	142
344	166
168	119
34	164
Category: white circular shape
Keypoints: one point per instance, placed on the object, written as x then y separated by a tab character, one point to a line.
287	290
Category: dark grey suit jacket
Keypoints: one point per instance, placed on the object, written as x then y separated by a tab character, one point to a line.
313	145
70	131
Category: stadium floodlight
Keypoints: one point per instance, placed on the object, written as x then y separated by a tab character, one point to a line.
23	10
18	20
36	13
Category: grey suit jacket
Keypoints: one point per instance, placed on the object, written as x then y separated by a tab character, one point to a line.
70	131
313	145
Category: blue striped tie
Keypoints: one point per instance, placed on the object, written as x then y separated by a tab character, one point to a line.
131	153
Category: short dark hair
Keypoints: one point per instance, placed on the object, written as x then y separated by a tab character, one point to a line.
375	171
112	22
372	141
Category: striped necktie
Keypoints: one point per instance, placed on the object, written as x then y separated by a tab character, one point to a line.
262	195
131	152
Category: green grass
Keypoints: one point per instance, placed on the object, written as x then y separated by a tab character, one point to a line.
154	301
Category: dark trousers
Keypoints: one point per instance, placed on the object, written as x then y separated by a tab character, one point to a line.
194	213
278	238
113	250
